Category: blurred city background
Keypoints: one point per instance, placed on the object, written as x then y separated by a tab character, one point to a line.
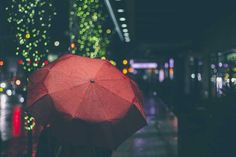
182	54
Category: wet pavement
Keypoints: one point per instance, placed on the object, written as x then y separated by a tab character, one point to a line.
157	139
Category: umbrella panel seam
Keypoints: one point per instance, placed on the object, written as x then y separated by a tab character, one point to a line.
100	102
86	92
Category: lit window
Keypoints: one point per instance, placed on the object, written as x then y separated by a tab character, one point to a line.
124	25
122	19
120	10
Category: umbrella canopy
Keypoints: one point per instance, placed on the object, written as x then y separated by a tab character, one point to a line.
86	101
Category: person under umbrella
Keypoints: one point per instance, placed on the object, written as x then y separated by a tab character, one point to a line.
90	105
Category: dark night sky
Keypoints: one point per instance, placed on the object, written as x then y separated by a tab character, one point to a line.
171	20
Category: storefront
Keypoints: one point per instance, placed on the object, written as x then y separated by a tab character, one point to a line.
223	71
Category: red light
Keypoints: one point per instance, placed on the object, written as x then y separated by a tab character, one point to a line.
14	78
1	62
16	122
20	61
46	62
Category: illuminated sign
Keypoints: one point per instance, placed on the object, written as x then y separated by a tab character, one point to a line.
231	56
144	65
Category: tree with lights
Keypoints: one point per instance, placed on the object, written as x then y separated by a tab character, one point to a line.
89	34
32	20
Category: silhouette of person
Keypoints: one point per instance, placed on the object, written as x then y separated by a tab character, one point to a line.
48	146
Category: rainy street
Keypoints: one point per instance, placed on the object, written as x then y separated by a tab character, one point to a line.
157	139
117	78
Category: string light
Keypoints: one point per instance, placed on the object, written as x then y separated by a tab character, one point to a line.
108	31
125	71
122	19
32	20
103	58
72	45
113	62
56	43
3	85
18	82
87	28
125	61
29	123
27	36
20	61
124	25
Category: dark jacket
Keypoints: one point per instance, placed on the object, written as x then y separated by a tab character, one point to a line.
48	146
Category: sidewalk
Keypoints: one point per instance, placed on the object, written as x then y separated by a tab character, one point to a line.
157	139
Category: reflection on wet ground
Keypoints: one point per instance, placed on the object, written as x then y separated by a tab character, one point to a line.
5	115
157	139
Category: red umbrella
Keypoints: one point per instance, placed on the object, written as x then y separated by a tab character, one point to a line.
86	101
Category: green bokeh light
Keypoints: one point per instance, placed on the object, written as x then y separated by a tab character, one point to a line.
32	20
87	19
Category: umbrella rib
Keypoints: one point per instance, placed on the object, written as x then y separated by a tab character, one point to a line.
99	69
69	89
86	92
104	63
100	102
86	73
